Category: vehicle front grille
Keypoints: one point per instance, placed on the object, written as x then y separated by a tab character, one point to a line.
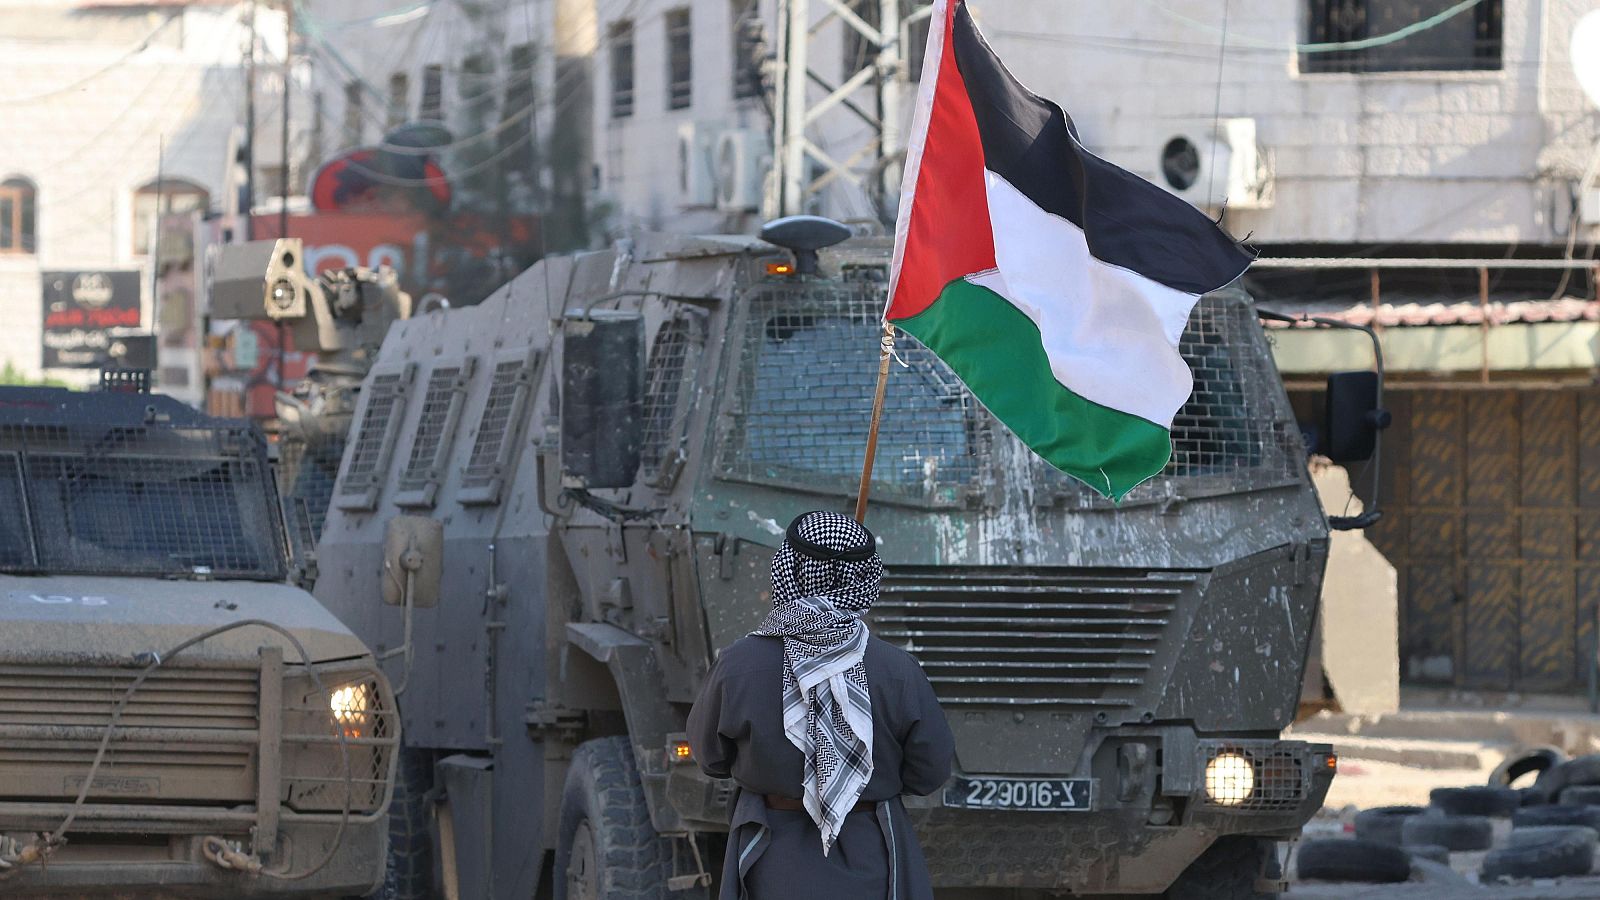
187	734
1034	637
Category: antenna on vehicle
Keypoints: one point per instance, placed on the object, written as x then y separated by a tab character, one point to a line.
804	236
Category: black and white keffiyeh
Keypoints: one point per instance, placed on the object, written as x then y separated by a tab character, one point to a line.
825	576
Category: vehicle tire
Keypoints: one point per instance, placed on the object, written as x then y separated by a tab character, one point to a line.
1454	833
1578	770
1475	801
1580	795
1524	762
606	848
1226	871
1344	859
1549	852
1381	824
409	875
1557	814
1430	852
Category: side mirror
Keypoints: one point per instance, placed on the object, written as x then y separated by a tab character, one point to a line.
602	398
413	560
1353	415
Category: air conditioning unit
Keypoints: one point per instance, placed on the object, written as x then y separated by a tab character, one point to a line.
696	167
1589	205
1226	167
743	157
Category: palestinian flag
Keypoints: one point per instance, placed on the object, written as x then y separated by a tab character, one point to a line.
1054	283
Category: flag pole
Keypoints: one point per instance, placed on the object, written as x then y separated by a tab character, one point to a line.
885	350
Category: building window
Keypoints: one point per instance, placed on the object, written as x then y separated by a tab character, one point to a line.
516	116
621	40
1469	40
432	109
680	63
352	114
18	219
477	90
399	99
158	198
748	47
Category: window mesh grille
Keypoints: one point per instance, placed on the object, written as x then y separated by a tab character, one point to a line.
669	387
483	464
421	466
138	501
808	368
385	404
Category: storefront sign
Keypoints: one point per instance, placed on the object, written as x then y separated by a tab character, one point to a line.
83	314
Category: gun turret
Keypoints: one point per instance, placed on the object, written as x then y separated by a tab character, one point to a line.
340	315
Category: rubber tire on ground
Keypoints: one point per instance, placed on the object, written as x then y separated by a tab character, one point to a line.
1550	852
1580	795
1578	770
1351	859
1523	762
1381	824
603	794
1226	871
1475	801
409	875
1454	833
1557	814
1430	852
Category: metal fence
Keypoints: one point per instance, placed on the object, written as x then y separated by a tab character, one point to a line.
148	500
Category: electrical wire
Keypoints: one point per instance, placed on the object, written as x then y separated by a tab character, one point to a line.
58	91
1367	43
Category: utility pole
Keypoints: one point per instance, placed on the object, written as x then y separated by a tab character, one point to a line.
250	123
283	135
802	127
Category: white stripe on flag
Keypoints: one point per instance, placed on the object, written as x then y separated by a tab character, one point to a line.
1111	334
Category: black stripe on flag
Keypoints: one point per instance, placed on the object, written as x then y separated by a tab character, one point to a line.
1129	222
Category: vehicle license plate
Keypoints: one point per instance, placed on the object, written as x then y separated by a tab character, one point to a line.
1028	794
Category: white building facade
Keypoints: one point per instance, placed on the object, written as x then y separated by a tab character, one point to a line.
112	114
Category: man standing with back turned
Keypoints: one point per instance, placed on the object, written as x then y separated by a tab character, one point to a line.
822	727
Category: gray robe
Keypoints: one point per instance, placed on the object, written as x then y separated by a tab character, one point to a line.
736	730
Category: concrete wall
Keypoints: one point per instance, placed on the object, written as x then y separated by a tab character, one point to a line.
85	115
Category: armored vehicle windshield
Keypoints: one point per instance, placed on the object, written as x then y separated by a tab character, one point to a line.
132	484
805	362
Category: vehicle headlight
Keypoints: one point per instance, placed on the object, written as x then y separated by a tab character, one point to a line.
1230	779
350	705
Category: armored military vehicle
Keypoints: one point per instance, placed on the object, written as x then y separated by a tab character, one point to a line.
555	507
175	720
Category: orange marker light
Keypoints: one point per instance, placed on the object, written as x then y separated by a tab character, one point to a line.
780	269
1333	763
681	752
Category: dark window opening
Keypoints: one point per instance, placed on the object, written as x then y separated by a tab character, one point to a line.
516	116
621	40
1466	41
399	99
916	37
18	216
175	195
352	114
859	52
680	60
432	108
749	46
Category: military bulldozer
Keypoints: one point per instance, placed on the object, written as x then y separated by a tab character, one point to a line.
557	505
175	720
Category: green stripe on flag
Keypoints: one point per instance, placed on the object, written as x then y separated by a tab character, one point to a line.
996	350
